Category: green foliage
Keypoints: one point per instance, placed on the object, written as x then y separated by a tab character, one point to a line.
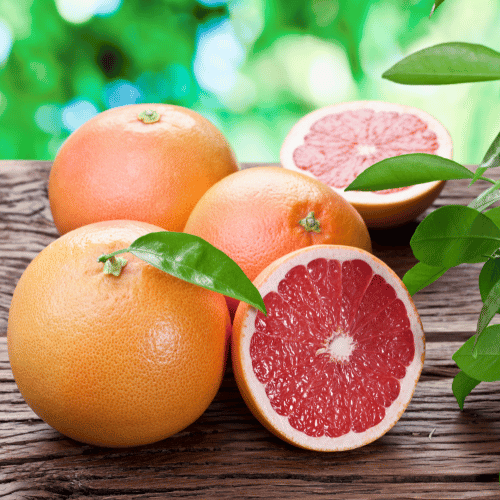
454	234
462	386
447	63
422	275
60	62
491	159
152	46
407	170
479	358
489	277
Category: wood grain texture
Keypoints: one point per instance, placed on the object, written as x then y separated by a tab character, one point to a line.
433	452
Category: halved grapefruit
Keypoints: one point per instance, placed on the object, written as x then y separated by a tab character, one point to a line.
336	143
336	360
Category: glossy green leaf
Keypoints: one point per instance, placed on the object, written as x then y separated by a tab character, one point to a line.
486	198
491	159
406	170
193	259
494	215
488	277
462	386
422	275
491	304
445	63
481	360
453	235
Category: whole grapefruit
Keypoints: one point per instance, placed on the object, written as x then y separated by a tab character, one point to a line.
146	162
335	362
259	214
336	143
114	360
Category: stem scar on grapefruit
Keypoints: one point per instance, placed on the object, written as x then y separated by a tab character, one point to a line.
146	162
335	363
336	143
259	214
114	361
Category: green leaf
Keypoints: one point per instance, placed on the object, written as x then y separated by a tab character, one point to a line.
481	360
445	63
407	170
494	214
462	386
488	277
486	198
491	303
422	275
491	159
453	235
193	259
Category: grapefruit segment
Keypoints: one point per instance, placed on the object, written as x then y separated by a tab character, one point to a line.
336	143
335	362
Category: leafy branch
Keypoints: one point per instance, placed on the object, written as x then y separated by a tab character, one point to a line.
455	234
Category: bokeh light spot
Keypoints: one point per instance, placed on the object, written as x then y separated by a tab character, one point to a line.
218	55
81	11
247	19
76	113
329	74
77	11
48	118
108	7
6	41
120	93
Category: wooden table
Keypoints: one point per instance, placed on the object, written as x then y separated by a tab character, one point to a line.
435	451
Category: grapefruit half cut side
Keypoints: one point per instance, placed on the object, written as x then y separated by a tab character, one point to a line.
336	143
336	360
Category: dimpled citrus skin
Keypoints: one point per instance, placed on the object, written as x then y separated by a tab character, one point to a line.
117	167
114	361
253	216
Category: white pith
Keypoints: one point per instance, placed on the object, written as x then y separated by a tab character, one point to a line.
295	138
394	412
339	347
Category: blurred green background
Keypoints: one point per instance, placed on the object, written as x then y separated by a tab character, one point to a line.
253	67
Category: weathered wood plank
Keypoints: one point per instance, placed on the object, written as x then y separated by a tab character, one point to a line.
77	486
26	225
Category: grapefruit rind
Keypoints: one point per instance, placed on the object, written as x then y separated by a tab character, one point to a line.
253	391
377	209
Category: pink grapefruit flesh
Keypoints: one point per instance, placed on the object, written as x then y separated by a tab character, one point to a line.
336	143
336	361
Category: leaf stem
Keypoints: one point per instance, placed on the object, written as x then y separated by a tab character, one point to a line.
487	179
486	198
104	257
